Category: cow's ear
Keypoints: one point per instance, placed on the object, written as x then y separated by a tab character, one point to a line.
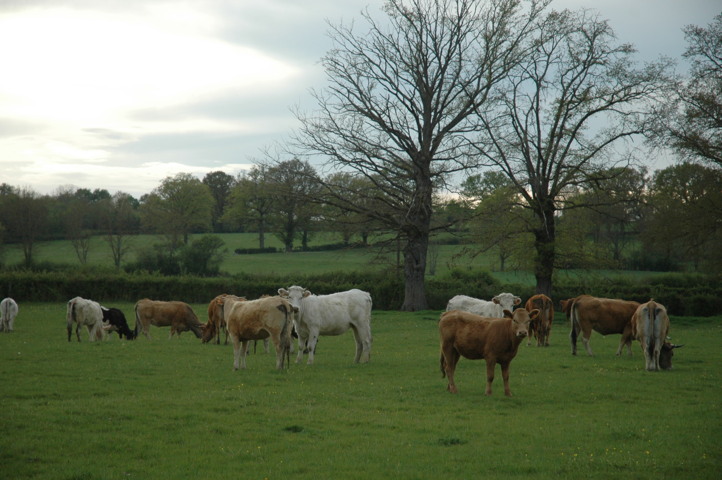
508	314
534	313
495	300
306	293
517	300
283	292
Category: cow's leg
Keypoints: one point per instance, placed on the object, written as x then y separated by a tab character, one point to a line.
77	331
311	346
490	366
244	352
236	351
301	347
266	345
362	335
505	377
586	337
70	332
449	359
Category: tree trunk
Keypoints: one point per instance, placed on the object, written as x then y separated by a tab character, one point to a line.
544	244
414	270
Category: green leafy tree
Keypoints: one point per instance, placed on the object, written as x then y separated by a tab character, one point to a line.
181	205
251	203
220	185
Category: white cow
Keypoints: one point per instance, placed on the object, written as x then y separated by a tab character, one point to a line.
650	325
85	313
331	314
484	308
8	312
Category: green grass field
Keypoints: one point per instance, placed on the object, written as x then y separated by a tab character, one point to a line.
176	409
61	251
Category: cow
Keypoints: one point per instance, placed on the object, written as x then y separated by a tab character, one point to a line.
603	315
541	326
8	312
178	315
115	319
665	357
259	319
86	313
650	326
331	314
490	309
496	340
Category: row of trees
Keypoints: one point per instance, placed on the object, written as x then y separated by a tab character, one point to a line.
440	91
625	218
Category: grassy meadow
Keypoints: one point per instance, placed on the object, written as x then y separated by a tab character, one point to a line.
165	408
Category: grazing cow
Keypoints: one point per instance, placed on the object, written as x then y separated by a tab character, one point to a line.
86	313
484	308
603	315
8	312
650	325
178	315
259	319
216	320
115	319
541	326
496	340
331	314
665	357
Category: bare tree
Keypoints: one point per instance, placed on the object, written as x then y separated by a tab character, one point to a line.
25	217
120	221
575	98
690	121
401	103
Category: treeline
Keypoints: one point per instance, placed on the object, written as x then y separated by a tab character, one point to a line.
669	220
682	294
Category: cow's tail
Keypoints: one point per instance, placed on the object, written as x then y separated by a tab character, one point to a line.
70	317
574	324
137	322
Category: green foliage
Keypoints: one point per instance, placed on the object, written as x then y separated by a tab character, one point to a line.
176	409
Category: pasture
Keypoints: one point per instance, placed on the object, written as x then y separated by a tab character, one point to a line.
165	408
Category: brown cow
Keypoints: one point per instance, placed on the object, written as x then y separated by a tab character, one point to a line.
603	315
216	320
541	326
650	325
178	315
496	340
259	319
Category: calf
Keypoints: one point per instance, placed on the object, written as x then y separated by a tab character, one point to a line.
474	337
650	325
490	309
117	322
8	312
541	326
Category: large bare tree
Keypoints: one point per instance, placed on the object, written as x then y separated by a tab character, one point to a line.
567	108
401	103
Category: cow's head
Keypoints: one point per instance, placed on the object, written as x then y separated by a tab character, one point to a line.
520	320
507	301
294	295
665	356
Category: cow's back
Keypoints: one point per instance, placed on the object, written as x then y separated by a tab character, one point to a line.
471	335
334	313
483	308
605	315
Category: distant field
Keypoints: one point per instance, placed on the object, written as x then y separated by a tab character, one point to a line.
298	262
175	408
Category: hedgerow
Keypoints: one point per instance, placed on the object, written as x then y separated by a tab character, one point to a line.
682	294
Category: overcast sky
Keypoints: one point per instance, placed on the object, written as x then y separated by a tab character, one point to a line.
119	94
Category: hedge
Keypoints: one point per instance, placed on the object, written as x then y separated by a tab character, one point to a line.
682	294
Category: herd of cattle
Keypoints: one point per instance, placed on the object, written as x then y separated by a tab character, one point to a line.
469	328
